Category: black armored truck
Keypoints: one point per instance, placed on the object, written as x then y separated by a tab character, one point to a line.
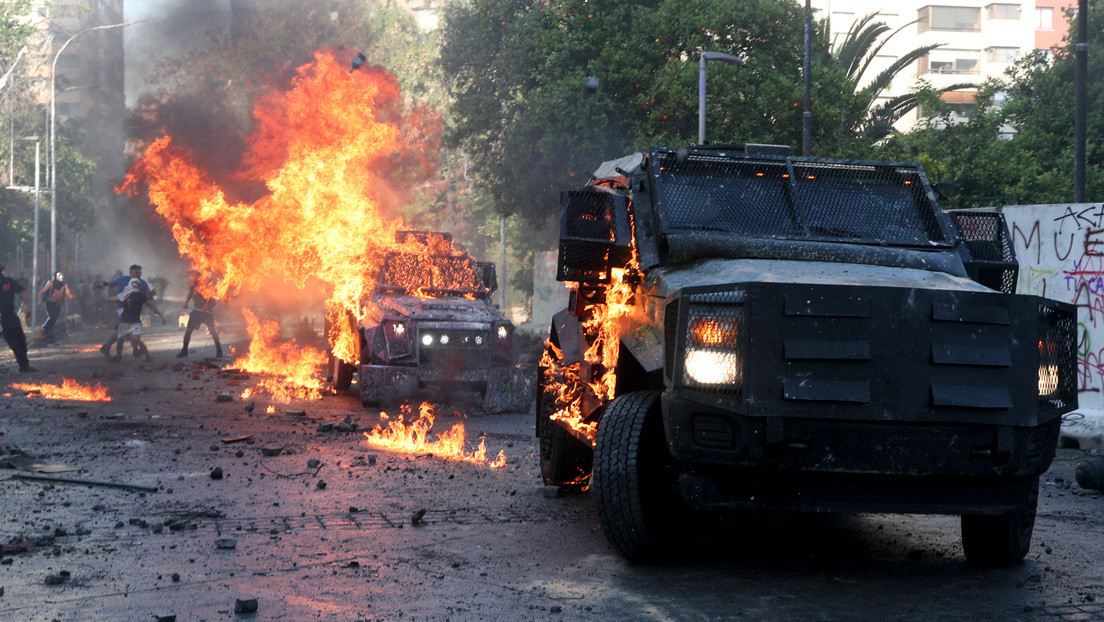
431	326
753	331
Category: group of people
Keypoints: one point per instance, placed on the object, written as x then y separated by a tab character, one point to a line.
133	296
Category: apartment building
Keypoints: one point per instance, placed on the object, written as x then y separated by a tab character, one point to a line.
90	70
980	39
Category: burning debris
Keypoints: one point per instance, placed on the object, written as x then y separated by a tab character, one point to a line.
414	438
68	390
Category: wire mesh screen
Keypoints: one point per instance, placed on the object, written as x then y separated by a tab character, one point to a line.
594	235
985	235
1057	358
763	196
994	260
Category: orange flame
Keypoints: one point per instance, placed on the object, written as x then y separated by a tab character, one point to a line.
413	438
68	390
605	325
297	366
327	150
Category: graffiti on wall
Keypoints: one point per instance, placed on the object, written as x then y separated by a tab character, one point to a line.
1060	249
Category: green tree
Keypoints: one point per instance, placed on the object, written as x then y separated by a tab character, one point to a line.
522	113
1022	147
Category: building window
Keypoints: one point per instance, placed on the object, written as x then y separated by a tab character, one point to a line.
962	19
1001	54
1002	11
951	62
1044	18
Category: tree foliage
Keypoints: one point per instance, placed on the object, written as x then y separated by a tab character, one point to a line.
1019	142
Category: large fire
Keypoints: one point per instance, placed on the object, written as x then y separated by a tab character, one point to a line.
414	438
604	323
68	390
327	150
297	364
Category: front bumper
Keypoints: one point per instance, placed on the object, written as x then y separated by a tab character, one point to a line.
738	461
504	389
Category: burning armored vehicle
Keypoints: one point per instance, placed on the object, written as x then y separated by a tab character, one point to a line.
431	325
750	330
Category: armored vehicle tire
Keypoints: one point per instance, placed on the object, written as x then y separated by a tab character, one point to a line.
342	374
564	460
635	483
1000	540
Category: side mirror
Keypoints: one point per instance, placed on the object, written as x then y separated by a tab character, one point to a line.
490	277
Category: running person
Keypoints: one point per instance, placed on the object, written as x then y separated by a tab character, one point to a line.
130	320
203	312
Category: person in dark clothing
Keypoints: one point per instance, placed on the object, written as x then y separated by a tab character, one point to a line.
53	294
203	312
9	320
130	320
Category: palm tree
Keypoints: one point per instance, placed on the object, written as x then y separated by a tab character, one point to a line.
854	55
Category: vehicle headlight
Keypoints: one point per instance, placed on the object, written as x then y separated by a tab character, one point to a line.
427	339
712	345
711	366
444	340
503	332
479	340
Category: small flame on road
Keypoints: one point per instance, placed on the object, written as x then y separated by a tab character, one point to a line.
288	370
68	390
414	438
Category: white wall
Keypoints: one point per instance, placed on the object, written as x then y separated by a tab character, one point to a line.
1060	249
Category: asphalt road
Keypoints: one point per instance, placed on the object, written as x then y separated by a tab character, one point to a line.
489	546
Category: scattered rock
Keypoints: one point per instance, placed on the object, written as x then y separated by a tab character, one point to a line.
371	458
250	406
551	492
314	463
416	517
245	605
325	427
216	473
271	451
57	579
175	576
321	485
224	397
297	413
166	617
226	543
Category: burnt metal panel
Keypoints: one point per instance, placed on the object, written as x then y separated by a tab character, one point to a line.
960	311
646	347
825	390
857	306
827	349
970	396
952	354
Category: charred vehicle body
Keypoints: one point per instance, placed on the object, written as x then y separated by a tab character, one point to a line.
431	325
750	330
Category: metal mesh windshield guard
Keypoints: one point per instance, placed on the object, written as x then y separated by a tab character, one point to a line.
993	258
794	198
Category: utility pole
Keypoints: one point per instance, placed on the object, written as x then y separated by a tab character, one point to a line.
807	110
1080	113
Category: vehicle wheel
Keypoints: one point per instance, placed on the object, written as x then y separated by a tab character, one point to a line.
635	482
1003	539
565	461
342	374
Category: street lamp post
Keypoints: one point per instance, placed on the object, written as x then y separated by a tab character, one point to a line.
53	136
34	248
724	58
